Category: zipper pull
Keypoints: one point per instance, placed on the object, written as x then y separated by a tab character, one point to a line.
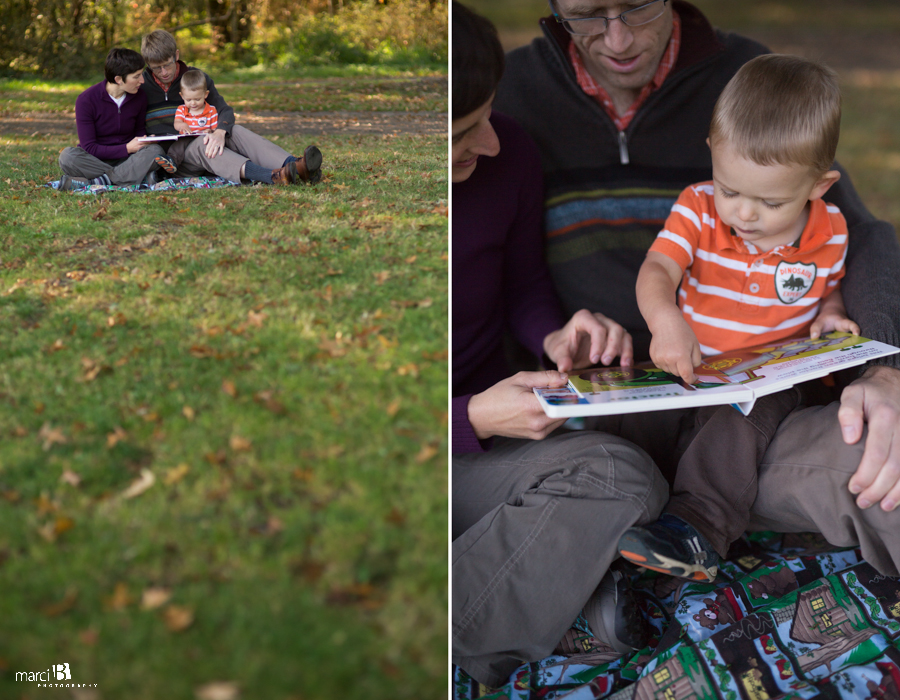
623	149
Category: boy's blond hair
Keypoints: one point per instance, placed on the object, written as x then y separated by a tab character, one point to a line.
158	46
193	80
781	109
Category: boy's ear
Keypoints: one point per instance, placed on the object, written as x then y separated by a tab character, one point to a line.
824	183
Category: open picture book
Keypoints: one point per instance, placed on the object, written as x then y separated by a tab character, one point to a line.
168	137
737	378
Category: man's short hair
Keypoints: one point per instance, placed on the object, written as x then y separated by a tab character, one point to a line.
780	109
477	61
158	46
122	62
193	80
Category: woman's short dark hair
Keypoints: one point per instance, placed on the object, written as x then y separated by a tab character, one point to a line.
477	61
122	62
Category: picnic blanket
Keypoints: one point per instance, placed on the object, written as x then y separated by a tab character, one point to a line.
175	183
788	617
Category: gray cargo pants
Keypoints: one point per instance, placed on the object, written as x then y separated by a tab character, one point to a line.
535	527
76	162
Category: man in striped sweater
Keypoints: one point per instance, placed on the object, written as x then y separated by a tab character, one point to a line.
759	257
618	96
231	151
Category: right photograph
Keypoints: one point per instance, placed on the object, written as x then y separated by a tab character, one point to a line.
675	349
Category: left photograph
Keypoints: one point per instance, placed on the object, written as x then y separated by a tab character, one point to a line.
223	350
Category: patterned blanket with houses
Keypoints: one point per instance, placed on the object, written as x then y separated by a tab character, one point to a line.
788	617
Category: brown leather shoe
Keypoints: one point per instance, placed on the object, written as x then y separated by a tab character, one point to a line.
286	175
309	167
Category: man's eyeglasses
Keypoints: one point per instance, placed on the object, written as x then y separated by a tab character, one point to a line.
166	66
591	26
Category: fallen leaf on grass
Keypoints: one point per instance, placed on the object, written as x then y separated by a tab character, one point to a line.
19	431
89	636
117	319
393	407
410	260
256	318
178	618
218	457
217	690
426	453
100	213
62	524
267	400
69	477
115	437
57	345
176	474
93	369
382	277
51	436
410	369
240	444
139	485
120	598
229	388
153	598
61	606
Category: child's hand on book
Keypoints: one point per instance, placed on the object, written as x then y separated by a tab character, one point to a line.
674	348
827	322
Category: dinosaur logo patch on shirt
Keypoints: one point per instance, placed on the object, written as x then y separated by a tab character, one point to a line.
793	280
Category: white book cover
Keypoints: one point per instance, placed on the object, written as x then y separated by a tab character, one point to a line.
737	378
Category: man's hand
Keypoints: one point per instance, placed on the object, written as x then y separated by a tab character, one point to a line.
875	399
586	340
674	347
134	145
215	143
510	408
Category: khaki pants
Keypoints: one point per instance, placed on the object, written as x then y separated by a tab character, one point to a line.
240	146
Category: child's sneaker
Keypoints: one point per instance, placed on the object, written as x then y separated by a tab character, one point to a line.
166	164
671	546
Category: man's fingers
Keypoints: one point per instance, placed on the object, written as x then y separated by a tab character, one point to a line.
879	468
850	415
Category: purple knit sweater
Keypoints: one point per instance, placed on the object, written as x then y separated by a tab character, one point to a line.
105	128
500	279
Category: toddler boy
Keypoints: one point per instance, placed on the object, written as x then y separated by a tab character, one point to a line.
195	116
758	255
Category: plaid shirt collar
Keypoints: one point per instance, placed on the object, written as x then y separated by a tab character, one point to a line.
594	89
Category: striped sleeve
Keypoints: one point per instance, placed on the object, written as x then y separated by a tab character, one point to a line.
681	233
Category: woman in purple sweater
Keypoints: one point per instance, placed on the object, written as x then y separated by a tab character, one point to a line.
110	119
536	513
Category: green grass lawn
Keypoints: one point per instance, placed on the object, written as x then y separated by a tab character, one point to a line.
279	91
223	428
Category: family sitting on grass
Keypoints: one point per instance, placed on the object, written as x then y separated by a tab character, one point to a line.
556	203
168	97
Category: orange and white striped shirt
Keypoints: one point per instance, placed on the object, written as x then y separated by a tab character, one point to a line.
734	295
207	120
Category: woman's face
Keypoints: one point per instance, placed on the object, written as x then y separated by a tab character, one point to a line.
131	82
472	136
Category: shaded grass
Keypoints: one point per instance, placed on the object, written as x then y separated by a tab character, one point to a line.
281	91
276	359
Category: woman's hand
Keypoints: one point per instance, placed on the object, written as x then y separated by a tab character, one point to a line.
510	408
586	340
134	145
